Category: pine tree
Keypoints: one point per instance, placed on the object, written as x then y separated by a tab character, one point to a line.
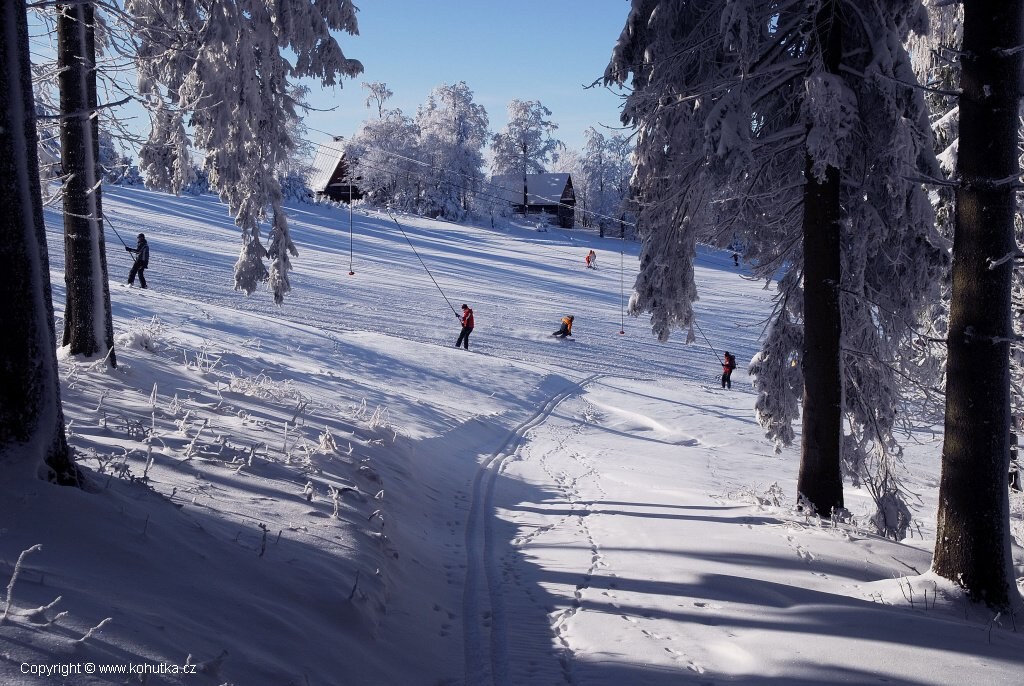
972	541
32	438
88	325
754	128
231	65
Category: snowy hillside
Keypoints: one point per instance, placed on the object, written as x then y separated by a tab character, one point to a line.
330	493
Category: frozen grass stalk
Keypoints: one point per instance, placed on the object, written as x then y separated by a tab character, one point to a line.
90	632
14	577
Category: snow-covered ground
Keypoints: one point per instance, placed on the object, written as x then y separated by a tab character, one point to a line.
331	493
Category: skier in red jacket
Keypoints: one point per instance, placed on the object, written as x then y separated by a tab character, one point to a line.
467	326
728	364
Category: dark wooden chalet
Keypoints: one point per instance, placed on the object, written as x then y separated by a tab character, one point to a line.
329	176
548	193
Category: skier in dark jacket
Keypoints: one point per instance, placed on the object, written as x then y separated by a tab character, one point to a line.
566	328
141	252
467	326
728	364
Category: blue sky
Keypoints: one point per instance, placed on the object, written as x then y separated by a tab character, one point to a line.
527	49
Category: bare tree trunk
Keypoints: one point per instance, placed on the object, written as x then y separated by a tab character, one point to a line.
820	481
88	327
31	418
972	540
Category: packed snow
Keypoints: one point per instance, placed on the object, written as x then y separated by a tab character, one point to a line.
329	492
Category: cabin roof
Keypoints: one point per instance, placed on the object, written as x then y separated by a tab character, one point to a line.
541	189
328	156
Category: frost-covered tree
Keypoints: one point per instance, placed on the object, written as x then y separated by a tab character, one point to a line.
525	145
795	130
972	540
115	166
383	154
603	179
88	326
230	66
164	159
32	438
936	59
379	95
452	131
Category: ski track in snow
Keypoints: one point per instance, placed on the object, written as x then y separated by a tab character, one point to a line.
485	623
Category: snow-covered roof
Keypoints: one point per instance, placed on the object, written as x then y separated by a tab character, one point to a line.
541	189
327	157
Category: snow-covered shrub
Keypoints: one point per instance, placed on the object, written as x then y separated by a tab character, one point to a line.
149	335
294	189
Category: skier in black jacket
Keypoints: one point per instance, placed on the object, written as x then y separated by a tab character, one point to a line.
141	252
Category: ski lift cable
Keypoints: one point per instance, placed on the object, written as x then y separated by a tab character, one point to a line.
478	193
422	262
421	163
622	324
106	218
714	351
552	248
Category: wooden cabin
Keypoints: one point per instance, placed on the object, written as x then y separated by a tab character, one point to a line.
329	176
548	193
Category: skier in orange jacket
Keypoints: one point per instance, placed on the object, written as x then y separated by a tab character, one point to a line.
566	328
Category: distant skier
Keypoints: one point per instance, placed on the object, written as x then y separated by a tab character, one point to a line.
566	328
467	326
591	260
141	252
728	364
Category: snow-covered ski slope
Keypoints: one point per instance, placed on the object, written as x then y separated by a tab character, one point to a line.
331	493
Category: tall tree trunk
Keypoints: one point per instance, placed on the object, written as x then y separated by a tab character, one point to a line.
820	481
972	539
88	327
31	420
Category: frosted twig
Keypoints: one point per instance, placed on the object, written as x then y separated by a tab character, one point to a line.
14	577
1013	255
192	443
101	361
995	620
40	612
90	632
336	499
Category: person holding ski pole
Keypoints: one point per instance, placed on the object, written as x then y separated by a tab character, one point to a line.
141	252
728	364
566	328
591	260
466	319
